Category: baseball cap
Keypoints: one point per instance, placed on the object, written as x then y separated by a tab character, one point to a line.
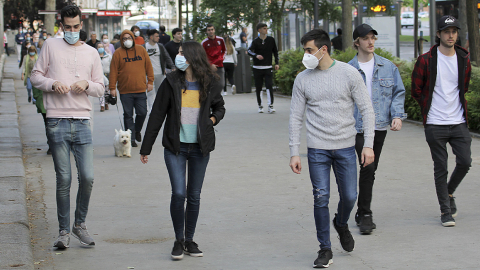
362	30
447	21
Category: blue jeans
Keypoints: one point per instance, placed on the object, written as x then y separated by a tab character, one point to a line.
344	166
65	136
139	102
29	89
186	218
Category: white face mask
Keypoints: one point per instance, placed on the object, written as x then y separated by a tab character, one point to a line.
105	40
137	33
128	43
310	61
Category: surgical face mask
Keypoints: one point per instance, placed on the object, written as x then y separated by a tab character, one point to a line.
29	38
44	37
181	62
101	50
310	61
137	33
71	37
105	40
32	53
128	43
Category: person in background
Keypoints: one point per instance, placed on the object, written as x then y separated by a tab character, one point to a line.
49	35
109	48
19	39
29	61
188	137
215	48
40	45
164	37
243	38
139	40
229	63
173	45
5	43
337	41
93	39
106	60
35	38
24	52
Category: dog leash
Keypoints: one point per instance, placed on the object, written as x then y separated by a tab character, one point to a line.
118	113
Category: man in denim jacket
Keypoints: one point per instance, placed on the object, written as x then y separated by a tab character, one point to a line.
387	92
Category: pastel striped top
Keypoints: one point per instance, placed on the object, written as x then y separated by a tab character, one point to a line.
189	113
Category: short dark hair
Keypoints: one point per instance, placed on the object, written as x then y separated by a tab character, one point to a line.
162	28
70	11
176	30
209	25
116	36
339	31
261	25
320	38
152	32
134	27
83	35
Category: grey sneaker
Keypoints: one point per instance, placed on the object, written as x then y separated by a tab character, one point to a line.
80	232
453	207
447	220
63	240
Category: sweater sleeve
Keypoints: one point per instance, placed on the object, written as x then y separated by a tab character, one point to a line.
275	51
96	87
362	99
148	67
297	110
37	78
235	57
114	71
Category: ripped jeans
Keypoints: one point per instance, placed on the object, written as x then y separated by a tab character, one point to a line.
343	161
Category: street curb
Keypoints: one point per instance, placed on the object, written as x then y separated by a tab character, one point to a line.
15	243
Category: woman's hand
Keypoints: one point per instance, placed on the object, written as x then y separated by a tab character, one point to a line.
144	159
23	76
213	119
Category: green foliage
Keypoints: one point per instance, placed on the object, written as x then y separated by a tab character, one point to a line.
290	65
22	10
473	99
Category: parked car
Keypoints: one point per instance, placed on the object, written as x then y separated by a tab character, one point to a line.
407	19
147	25
423	14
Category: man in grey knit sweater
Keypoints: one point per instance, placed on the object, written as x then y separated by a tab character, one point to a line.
327	92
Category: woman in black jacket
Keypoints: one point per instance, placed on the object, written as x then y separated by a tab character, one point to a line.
190	99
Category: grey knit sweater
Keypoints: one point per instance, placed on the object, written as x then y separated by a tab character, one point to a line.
329	98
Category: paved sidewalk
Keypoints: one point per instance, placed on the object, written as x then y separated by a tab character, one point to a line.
255	213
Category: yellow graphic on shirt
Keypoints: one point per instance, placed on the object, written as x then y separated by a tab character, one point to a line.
191	98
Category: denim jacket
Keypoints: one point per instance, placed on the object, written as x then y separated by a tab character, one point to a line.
388	93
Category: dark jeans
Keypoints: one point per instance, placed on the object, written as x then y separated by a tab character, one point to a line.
320	163
367	174
259	75
139	102
459	138
6	49
186	218
229	72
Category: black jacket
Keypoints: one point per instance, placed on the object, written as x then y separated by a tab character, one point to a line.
165	60
264	48
168	104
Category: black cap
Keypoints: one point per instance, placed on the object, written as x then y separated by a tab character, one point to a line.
362	30
447	21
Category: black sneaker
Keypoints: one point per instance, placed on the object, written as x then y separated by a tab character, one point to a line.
358	219
453	207
367	225
29	99
447	220
324	259
138	136
177	251
134	144
191	248
346	238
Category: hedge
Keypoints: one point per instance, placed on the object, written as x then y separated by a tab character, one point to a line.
291	65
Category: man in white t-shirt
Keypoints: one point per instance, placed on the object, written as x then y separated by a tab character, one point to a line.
440	80
381	75
160	60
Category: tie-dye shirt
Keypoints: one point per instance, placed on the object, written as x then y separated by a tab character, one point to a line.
189	113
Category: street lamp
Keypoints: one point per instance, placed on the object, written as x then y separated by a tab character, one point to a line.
399	25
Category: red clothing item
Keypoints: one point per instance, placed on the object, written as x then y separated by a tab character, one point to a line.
215	49
139	40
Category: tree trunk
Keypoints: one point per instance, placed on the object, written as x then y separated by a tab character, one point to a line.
179	15
194	10
462	19
473	35
279	26
2	49
346	23
50	18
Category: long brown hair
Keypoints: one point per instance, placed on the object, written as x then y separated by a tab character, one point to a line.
229	45
201	68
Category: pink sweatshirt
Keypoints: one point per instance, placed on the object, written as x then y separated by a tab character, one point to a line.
56	62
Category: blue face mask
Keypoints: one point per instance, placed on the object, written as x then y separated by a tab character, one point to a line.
28	38
181	62
101	50
71	37
31	53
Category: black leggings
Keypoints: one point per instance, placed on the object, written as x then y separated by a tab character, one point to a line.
229	69
258	75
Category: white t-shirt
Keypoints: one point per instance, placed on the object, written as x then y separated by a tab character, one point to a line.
446	108
367	68
154	53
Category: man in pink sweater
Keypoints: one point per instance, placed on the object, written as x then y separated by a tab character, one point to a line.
68	71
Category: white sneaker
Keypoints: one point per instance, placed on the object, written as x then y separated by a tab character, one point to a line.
234	89
224	93
271	109
260	109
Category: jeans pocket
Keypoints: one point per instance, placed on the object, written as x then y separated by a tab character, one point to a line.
85	122
53	122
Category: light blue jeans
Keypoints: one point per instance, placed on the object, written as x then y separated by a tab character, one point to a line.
29	89
67	135
343	162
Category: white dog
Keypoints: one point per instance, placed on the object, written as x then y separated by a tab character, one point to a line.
122	143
